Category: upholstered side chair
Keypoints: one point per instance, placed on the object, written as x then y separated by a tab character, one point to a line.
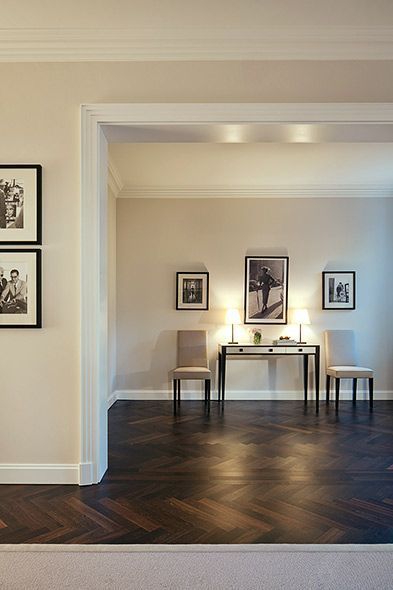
341	363
192	362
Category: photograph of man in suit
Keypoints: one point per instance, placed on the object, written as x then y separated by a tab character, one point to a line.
14	297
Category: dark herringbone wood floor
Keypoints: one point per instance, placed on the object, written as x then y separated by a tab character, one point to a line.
259	472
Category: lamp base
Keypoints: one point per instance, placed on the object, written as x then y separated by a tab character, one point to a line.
302	342
232	342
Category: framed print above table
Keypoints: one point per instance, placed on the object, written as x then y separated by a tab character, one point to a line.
20	203
192	290
338	289
266	290
20	288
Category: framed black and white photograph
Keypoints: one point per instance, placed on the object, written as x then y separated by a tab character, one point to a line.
192	290
338	290
20	288
20	203
266	290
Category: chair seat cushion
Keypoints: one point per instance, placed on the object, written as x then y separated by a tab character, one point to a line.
349	372
191	373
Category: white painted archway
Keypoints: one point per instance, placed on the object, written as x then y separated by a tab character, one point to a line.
94	284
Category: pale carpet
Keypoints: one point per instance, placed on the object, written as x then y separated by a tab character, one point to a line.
199	567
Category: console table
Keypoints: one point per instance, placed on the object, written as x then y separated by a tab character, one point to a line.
266	350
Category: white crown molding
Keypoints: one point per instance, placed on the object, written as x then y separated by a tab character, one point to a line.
255	191
198	43
115	182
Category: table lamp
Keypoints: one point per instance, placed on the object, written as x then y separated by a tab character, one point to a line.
233	317
301	317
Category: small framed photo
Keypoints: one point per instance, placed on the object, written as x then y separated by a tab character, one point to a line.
266	290
20	288
20	203
192	290
338	290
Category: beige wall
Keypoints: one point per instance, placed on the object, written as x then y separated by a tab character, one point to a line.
40	122
156	238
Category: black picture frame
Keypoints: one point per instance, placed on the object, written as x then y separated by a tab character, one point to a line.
261	306
339	290
27	311
192	291
21	204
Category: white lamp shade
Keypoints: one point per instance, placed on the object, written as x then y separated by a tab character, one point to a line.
233	317
300	316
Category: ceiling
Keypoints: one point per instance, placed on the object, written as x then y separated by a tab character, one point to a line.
252	169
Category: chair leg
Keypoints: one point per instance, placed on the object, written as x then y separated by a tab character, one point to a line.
206	390
371	391
354	389
174	390
178	391
337	392
327	388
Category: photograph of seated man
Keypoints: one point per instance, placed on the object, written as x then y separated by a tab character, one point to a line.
13	297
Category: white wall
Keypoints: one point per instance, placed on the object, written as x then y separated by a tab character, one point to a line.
156	238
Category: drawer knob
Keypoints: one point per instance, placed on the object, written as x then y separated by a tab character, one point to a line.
300	349
270	350
240	350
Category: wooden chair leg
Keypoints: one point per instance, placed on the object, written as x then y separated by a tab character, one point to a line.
327	388
371	391
337	392
178	391
206	390
174	390
354	389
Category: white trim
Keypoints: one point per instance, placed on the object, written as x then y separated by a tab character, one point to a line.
152	114
115	182
112	399
190	43
94	337
256	191
45	473
252	394
94	378
86	473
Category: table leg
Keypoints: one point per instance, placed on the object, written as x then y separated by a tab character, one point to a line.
223	372
305	376
219	375
317	361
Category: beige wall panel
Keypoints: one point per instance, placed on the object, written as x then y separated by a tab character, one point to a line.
157	237
40	122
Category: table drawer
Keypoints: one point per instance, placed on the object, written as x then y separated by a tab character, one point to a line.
300	349
256	350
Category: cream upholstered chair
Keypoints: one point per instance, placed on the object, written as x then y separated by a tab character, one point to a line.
341	363
192	361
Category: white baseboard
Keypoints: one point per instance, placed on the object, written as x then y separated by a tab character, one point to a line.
162	394
112	398
31	473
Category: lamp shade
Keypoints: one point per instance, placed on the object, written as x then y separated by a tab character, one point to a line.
300	316
233	317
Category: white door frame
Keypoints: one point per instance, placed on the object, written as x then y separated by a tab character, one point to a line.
94	283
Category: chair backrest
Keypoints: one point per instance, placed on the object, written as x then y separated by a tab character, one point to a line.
192	348
340	348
